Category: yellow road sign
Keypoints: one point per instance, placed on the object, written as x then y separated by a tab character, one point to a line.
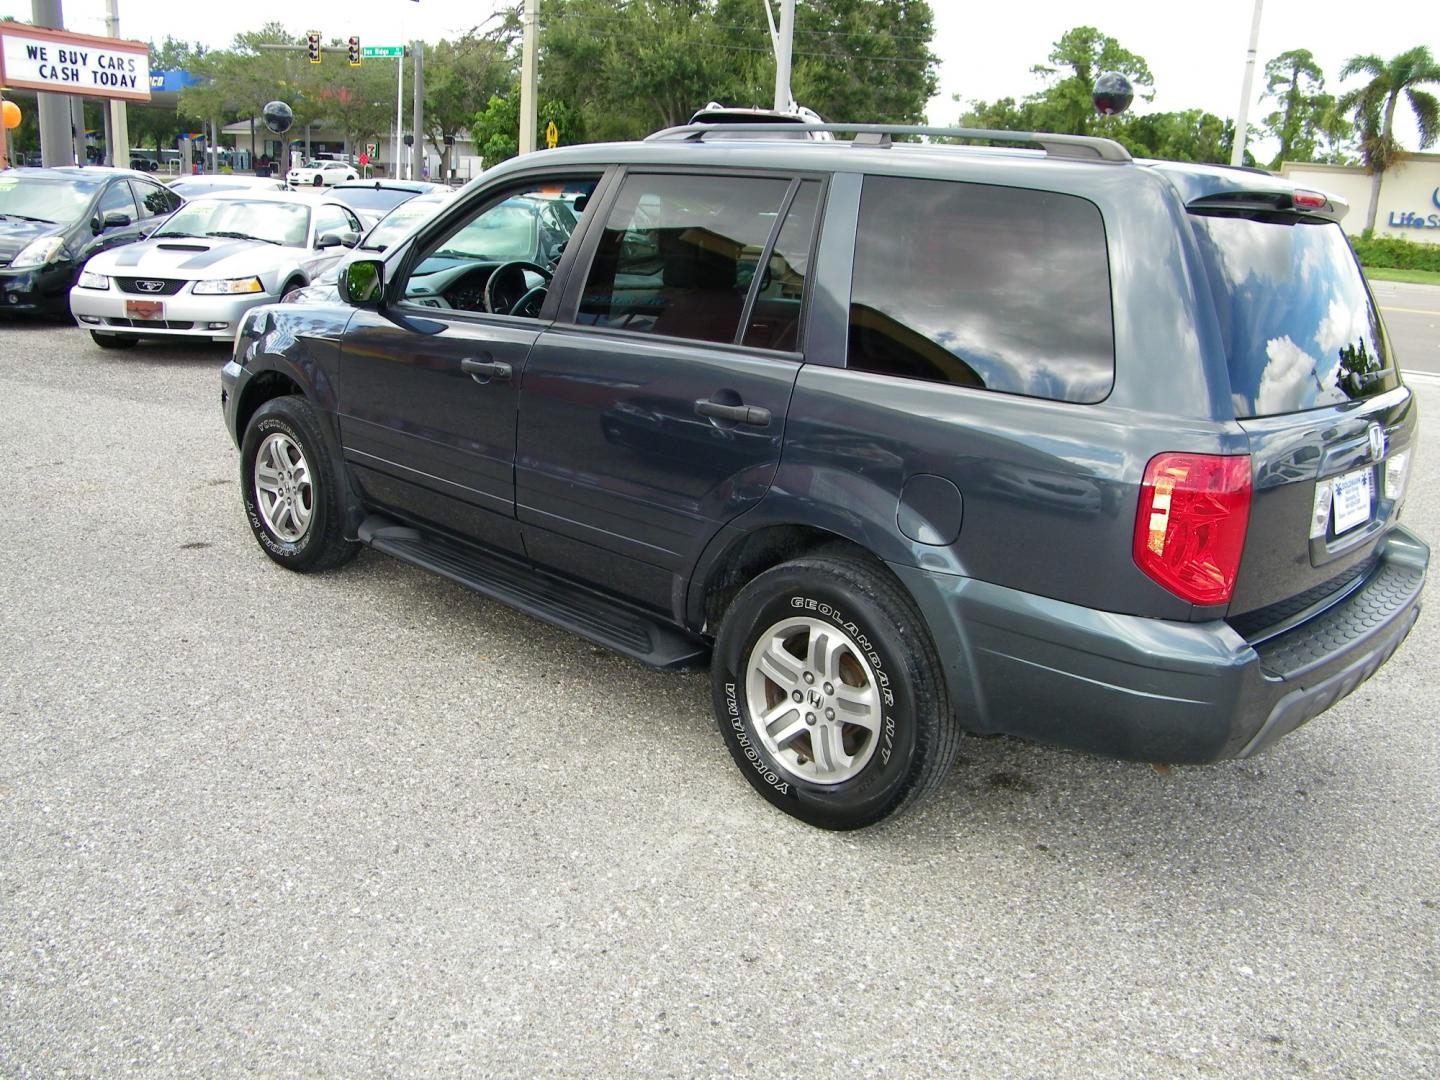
552	135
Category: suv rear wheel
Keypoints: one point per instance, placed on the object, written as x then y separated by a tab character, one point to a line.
829	693
291	488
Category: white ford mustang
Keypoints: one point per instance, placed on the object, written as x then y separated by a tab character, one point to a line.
320	174
218	256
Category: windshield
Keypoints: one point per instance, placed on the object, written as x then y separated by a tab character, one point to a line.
277	222
44	198
371	198
398	223
1299	328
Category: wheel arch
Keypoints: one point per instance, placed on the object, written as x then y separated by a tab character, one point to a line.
737	556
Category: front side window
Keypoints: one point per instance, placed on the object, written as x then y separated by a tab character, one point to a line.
153	199
517	233
679	253
996	288
117	199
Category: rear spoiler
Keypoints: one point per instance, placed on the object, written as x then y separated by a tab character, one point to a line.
1286	206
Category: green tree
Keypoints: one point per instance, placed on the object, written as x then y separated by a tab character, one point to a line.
1373	106
496	129
1189	135
1307	125
632	66
1080	57
461	77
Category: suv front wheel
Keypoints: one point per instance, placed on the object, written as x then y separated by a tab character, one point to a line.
829	693
291	488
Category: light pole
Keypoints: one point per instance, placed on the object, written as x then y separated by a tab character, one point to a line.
528	109
117	139
784	45
1242	120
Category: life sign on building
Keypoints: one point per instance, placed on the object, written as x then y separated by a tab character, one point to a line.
36	58
1409	219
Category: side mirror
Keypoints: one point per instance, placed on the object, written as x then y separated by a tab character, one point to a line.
329	240
113	219
362	283
349	239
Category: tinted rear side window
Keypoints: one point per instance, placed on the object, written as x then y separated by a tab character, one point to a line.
679	253
996	288
1298	326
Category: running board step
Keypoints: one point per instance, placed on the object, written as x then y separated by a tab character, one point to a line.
548	598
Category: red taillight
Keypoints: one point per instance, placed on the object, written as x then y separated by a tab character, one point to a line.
1309	200
1190	528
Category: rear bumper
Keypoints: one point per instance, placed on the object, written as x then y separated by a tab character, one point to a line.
1152	690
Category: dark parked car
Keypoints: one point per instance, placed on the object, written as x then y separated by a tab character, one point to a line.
373	199
900	441
52	220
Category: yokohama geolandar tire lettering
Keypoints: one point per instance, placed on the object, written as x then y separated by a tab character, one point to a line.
290	487
829	694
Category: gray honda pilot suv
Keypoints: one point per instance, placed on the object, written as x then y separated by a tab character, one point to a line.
899	440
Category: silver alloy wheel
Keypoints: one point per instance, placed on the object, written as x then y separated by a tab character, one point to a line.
283	489
814	700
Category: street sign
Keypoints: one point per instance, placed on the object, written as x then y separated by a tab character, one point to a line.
370	149
552	135
381	52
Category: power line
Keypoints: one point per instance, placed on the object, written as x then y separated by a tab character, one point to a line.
800	52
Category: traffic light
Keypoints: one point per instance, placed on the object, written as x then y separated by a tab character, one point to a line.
354	44
312	46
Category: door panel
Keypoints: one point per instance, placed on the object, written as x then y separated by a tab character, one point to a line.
613	453
428	439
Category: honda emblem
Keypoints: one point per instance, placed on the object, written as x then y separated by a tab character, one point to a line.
1377	442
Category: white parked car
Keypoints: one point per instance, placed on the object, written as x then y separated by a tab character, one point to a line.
216	258
321	174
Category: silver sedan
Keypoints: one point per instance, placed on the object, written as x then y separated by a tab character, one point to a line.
216	258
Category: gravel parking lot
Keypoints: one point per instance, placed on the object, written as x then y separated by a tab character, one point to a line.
368	824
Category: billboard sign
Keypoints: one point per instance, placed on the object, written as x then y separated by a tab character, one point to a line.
37	58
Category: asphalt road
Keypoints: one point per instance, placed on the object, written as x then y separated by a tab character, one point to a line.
1412	316
367	824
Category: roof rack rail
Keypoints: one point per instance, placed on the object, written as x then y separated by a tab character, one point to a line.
1067	146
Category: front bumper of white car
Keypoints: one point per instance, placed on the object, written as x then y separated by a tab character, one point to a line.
111	311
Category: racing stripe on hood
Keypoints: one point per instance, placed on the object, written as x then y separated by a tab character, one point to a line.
131	254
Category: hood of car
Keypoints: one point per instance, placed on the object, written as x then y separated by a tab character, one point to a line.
15	235
179	257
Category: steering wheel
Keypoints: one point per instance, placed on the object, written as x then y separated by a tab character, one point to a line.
507	290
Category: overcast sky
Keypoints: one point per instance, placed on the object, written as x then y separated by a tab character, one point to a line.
986	49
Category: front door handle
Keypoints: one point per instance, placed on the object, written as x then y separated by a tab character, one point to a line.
752	415
482	371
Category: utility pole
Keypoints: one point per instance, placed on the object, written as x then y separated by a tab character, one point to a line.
117	130
784	44
56	144
417	156
529	111
1242	119
399	115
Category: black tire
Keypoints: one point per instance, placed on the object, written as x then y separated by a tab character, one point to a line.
114	341
318	181
290	287
914	744
320	544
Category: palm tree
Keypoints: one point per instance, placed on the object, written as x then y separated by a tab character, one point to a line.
1374	104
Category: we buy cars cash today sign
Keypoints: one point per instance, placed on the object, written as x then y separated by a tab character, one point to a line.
35	58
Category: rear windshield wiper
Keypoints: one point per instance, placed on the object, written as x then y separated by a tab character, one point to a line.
243	236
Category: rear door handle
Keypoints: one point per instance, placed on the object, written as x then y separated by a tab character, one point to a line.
483	371
752	415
